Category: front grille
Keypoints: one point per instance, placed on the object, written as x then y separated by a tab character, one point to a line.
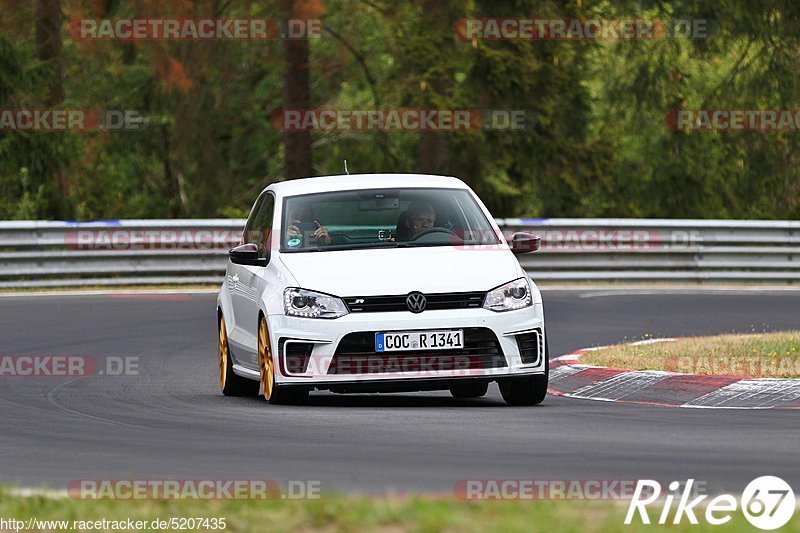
356	354
297	355
530	347
445	300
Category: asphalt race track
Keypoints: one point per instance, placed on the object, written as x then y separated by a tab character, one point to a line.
171	422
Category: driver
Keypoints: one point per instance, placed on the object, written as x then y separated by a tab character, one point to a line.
420	216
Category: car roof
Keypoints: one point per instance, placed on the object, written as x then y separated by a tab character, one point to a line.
363	181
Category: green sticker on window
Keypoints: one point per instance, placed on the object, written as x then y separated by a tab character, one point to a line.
291	243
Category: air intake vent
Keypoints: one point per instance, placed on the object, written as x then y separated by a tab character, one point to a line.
531	346
296	355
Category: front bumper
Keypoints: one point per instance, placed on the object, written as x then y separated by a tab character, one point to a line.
324	366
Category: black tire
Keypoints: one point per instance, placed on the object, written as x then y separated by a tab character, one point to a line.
530	390
469	390
230	383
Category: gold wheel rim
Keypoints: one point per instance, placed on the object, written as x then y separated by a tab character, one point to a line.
223	354
265	360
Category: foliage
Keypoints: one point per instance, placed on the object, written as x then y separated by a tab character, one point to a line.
598	145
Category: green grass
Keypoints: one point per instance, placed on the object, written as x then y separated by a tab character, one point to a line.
774	355
357	513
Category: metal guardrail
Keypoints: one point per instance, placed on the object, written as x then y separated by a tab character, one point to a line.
137	252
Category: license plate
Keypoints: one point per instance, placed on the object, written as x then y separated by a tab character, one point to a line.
419	340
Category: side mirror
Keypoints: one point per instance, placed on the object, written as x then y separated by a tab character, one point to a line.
523	243
247	254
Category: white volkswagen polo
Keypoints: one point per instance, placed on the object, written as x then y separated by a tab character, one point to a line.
379	283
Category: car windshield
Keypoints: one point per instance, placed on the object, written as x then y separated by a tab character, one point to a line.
383	218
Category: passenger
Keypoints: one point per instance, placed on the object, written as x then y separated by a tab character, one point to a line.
302	223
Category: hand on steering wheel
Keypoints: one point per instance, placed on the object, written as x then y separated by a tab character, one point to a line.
434	229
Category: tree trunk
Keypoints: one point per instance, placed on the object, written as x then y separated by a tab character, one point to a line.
434	156
48	50
296	95
48	47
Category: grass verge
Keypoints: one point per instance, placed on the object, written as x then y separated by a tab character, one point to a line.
772	355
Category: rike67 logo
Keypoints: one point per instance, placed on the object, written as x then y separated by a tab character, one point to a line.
767	502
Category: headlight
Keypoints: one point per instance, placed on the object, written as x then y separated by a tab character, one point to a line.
513	295
310	304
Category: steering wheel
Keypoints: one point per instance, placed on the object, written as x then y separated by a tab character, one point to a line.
435	229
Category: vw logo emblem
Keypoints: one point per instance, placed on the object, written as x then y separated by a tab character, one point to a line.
416	302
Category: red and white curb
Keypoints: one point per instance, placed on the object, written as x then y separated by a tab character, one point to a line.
569	377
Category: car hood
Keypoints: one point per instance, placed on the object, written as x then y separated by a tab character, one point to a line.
402	270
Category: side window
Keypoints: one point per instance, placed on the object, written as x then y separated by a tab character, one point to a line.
259	224
262	227
251	220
